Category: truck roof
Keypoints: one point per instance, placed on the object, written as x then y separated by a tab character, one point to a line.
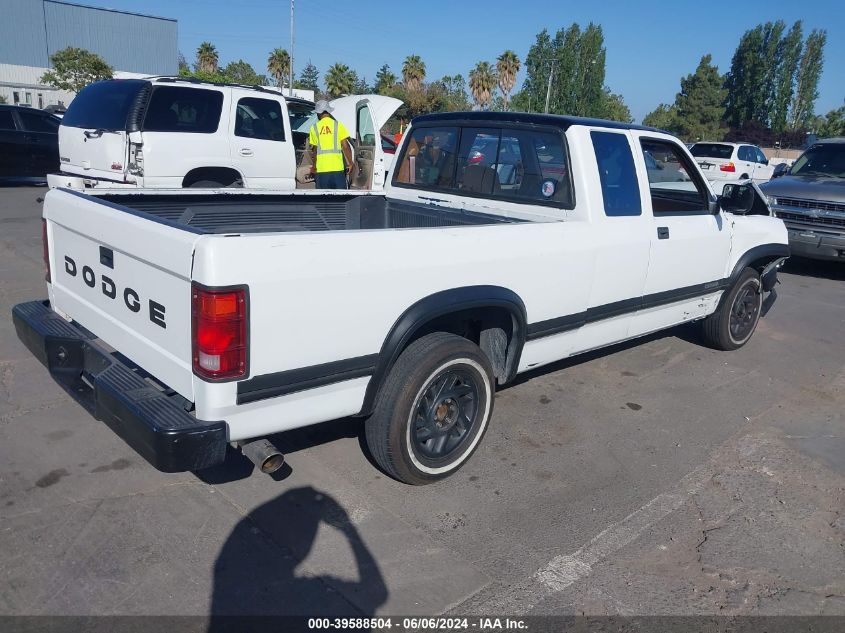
557	120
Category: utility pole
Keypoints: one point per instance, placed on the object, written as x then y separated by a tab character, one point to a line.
290	84
549	87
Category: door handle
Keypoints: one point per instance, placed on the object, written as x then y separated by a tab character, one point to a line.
245	151
663	232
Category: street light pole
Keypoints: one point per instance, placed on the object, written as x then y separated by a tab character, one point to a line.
290	69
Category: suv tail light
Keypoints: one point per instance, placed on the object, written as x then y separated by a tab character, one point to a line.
46	248
728	167
219	332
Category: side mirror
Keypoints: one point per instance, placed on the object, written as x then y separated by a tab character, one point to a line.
780	170
744	199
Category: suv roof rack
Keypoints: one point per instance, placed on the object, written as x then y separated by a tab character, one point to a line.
194	80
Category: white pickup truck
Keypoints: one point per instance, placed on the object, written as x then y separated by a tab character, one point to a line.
188	321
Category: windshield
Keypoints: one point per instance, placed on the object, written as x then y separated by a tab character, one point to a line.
821	160
712	150
103	105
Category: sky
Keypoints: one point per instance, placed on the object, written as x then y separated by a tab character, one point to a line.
650	45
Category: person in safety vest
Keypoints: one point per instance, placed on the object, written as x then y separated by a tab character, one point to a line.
329	140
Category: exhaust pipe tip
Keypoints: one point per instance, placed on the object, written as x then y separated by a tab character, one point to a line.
263	454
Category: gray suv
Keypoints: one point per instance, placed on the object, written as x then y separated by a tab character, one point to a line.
810	199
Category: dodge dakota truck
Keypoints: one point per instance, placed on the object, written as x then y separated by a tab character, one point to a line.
191	321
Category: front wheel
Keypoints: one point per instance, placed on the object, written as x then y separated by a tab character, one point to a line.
736	318
432	410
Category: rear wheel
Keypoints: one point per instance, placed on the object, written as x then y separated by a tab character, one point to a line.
432	410
736	318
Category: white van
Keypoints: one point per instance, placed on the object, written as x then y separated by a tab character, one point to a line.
169	132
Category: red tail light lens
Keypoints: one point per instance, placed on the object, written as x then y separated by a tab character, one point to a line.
46	248
728	167
219	332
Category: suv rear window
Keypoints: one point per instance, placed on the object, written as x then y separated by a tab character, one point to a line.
103	105
712	150
177	109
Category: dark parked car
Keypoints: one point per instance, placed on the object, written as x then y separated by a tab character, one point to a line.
29	144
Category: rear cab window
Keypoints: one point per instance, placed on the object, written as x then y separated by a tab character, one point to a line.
517	164
105	105
178	109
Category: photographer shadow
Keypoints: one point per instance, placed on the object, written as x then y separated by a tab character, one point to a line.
255	573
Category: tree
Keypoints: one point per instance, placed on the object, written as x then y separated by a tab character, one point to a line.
700	103
413	72
832	124
482	83
789	54
591	69
615	108
663	117
309	78
340	80
807	80
240	72
278	65
507	66
183	63
207	58
360	85
385	80
455	93
75	68
538	62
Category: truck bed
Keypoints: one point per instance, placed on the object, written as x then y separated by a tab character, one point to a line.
254	213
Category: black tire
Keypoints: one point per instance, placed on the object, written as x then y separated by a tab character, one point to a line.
451	380
734	321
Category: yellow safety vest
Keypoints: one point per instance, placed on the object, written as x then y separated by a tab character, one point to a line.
327	136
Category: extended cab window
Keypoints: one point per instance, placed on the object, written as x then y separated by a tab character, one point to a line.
619	187
259	119
176	109
674	184
428	160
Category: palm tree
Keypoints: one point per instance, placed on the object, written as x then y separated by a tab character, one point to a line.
207	58
482	83
339	80
278	65
413	72
507	66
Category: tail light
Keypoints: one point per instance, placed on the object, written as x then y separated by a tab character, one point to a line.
46	249
219	332
728	167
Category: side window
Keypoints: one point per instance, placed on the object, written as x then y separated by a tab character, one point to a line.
429	158
33	122
675	185
619	187
259	119
761	157
6	120
177	109
747	153
366	127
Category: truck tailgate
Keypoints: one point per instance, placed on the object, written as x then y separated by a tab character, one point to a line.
127	279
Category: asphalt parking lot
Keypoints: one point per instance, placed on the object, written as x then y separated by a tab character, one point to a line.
658	477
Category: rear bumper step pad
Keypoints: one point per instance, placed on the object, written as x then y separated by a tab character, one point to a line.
154	425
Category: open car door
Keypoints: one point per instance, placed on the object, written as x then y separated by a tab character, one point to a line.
364	116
